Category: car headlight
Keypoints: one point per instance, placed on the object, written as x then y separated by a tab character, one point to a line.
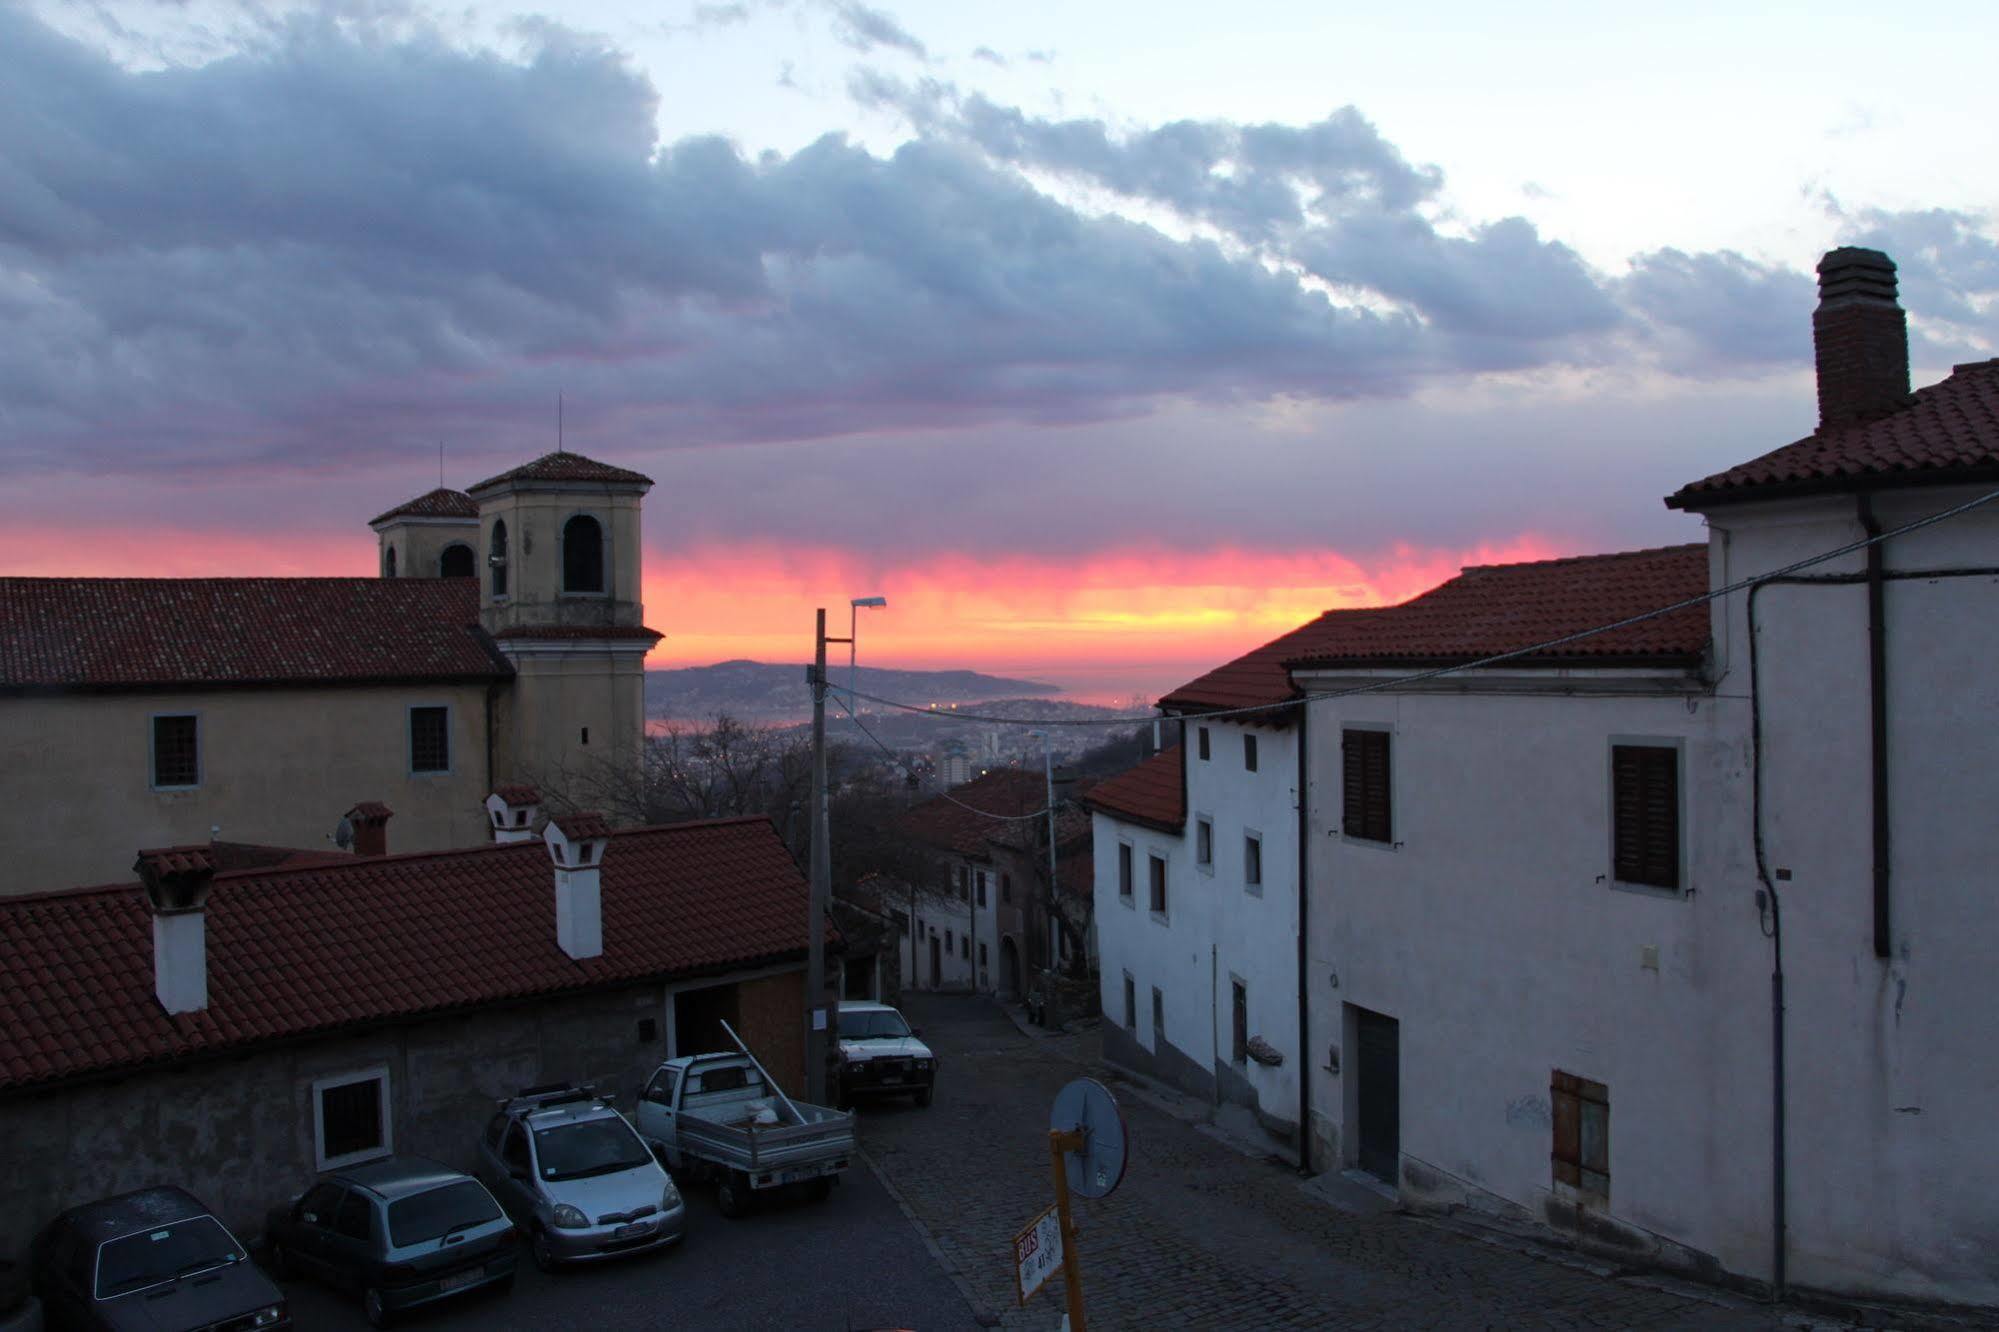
669	1199
923	1063
566	1217
268	1315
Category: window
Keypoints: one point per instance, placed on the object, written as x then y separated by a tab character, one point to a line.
353	1218
1252	860
965	946
1130	1004
1204	843
514	1154
982	955
582	555
1158	868
1249	753
389	565
176	752
455	562
1582	1134
430	739
1158	1018
948	945
1124	872
1364	785
982	887
496	556
1645	814
350	1118
1006	888
319	1202
1238	1021
1203	731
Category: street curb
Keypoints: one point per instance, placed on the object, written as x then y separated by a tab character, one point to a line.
980	1314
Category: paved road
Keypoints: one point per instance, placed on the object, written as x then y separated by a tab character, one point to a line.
851	1262
1199	1235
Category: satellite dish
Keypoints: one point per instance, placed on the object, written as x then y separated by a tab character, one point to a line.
1085	1106
343	834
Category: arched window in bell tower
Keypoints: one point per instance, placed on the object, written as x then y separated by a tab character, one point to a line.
582	555
456	561
390	563
496	557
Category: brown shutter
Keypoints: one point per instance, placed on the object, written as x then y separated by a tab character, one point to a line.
1351	780
1567	1155
1380	824
1645	814
1364	767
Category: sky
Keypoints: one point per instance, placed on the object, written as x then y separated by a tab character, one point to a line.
1106	341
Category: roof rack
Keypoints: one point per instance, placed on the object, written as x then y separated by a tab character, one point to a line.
547	1095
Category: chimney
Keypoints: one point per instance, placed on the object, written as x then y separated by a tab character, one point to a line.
177	881
1860	338
512	810
576	846
370	821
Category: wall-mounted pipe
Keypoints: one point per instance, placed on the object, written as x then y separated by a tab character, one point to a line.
1304	950
1877	704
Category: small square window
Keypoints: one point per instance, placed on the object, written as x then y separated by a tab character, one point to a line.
1249	753
350	1116
176	751
1204	743
430	739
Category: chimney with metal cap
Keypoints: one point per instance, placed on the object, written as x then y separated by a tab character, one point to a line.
576	845
177	880
370	821
1860	338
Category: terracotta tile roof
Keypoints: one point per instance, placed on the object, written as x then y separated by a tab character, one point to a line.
373	810
561	466
128	632
1153	793
293	952
1946	432
517	793
1257	677
579	631
439	503
1495	608
947	825
582	825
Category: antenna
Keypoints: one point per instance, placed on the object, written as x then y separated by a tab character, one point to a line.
558	420
440	464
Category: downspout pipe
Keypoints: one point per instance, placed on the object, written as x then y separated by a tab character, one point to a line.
1877	697
1768	893
1304	954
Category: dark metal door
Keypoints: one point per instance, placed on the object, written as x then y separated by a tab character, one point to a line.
1380	1093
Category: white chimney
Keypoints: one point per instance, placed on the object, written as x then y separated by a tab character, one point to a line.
177	881
576	846
512	810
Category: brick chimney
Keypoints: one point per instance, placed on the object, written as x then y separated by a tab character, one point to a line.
177	880
370	822
512	810
1860	337
576	845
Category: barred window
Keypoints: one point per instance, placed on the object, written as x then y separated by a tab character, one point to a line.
430	739
176	751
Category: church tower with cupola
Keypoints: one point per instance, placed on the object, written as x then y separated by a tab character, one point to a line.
559	570
432	536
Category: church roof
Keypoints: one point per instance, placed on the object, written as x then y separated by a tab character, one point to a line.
439	503
561	466
297	951
125	633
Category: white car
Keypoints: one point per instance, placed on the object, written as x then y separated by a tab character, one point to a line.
880	1054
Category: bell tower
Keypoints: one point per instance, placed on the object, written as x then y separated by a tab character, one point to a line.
432	536
559	571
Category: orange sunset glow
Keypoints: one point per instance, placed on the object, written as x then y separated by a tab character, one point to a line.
1109	623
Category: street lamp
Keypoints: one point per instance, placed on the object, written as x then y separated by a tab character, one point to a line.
853	624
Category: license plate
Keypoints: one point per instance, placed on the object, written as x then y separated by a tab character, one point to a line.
803	1172
460	1280
893	1077
632	1231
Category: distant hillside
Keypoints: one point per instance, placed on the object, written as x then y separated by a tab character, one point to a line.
762	692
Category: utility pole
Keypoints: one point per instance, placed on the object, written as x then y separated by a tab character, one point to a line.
817	1019
1054	921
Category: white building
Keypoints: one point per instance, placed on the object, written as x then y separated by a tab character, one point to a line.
1197	899
969	934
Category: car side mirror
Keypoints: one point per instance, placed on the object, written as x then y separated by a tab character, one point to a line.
517	1172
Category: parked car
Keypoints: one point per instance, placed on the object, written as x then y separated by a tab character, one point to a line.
880	1054
403	1232
154	1259
577	1179
719	1117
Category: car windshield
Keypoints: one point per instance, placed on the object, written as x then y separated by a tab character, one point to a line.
588	1147
886	1025
438	1212
179	1248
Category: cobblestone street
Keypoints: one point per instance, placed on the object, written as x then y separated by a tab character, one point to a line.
1199	1235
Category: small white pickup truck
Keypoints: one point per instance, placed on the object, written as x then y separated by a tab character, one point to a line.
719	1117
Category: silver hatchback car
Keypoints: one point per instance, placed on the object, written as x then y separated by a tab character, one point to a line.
577	1179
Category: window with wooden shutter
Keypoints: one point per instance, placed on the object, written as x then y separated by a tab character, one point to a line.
1366	810
1645	814
1582	1133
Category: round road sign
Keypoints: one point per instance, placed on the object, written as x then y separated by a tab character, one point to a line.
1086	1107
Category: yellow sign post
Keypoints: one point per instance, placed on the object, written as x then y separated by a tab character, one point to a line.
1060	1141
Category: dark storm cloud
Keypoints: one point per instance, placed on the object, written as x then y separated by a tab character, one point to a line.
341	241
1725	314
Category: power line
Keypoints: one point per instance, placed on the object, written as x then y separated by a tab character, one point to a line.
896	759
1495	659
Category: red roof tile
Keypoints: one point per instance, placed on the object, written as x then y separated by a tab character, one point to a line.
1255	678
1946	432
373	811
582	825
292	952
561	466
947	824
120	632
517	793
1497	608
439	503
1153	792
